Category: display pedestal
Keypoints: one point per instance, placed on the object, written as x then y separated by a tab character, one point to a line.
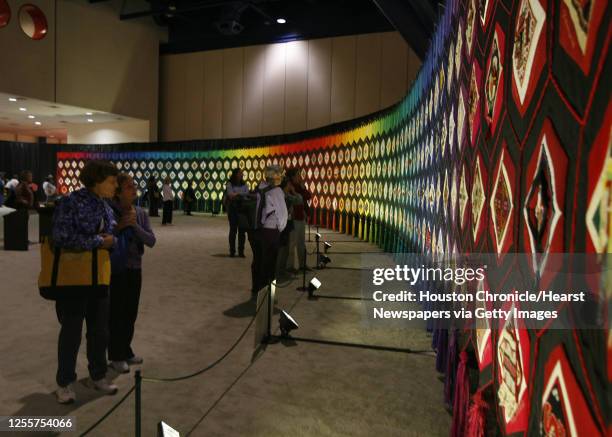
45	221
16	230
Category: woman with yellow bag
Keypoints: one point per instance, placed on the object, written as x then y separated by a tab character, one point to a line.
82	236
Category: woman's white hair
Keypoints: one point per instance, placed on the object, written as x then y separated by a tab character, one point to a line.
272	172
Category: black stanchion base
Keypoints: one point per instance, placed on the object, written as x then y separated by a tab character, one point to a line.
345	297
282	338
271	339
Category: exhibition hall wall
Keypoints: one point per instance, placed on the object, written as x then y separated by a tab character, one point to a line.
87	58
282	88
503	144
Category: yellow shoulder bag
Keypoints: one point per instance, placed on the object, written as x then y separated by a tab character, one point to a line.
66	273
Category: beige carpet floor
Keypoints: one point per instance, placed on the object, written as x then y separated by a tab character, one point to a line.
194	305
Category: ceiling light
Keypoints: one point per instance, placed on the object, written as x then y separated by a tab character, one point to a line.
286	323
31	116
89	113
90	120
281	20
37	123
22	109
12	99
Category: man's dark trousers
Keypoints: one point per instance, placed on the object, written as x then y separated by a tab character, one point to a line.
265	244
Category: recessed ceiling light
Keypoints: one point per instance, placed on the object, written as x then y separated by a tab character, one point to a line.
90	120
37	123
31	116
89	113
12	99
281	20
51	136
22	109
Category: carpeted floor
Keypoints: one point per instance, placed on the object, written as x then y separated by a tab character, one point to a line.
195	304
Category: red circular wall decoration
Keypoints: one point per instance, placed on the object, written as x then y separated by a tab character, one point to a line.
33	21
5	13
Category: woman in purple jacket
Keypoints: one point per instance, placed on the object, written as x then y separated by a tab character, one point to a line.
133	232
82	222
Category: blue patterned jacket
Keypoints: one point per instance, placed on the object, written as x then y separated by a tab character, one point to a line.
80	219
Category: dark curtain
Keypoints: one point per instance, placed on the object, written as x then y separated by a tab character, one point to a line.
39	158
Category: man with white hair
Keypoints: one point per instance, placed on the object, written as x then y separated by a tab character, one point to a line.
265	239
49	188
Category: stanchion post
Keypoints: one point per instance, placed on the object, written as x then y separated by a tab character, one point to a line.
318	251
269	331
303	287
138	402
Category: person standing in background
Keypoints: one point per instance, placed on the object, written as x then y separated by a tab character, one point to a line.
49	189
83	221
168	198
133	232
24	200
234	188
188	199
291	198
153	196
297	240
33	187
265	239
24	196
12	183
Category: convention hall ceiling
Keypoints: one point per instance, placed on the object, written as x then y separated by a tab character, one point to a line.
195	25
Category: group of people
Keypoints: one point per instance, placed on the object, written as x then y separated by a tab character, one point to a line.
166	197
17	191
277	237
100	216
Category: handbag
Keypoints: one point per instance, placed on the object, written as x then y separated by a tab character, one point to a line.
68	273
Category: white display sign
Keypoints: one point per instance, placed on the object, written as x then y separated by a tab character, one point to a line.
166	430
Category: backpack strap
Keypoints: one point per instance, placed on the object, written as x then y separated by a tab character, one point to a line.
262	202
